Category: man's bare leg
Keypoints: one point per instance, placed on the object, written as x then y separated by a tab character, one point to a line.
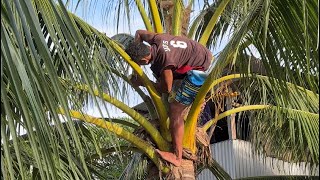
177	130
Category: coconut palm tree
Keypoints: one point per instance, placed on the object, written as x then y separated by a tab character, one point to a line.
53	61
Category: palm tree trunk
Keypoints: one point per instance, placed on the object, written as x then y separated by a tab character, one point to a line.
168	8
185	172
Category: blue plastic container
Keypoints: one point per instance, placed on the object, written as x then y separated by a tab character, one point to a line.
197	77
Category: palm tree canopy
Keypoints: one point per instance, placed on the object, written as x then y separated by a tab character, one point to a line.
49	55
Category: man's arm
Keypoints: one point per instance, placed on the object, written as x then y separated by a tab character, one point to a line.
135	80
166	81
143	35
164	85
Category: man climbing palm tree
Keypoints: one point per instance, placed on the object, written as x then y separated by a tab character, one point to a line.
171	58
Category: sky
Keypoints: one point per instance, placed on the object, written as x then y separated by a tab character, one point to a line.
98	14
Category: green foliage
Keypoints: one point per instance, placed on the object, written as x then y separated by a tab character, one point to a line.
41	42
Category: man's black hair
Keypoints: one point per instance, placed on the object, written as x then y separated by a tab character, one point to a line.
137	50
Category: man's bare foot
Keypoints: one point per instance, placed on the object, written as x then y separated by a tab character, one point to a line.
170	157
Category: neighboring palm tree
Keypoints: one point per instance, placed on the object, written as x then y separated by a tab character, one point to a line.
52	61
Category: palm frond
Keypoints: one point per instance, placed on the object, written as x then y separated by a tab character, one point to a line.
289	130
39	42
288	134
262	90
221	27
42	42
136	168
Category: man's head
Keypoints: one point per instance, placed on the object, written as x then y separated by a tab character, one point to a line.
139	52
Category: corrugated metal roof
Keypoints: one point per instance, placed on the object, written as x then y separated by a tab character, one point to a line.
238	159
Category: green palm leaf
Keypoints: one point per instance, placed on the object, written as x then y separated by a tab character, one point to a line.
41	42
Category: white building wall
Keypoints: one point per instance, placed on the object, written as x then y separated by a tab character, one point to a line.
237	158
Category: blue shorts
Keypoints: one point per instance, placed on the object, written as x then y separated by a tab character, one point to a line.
186	92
